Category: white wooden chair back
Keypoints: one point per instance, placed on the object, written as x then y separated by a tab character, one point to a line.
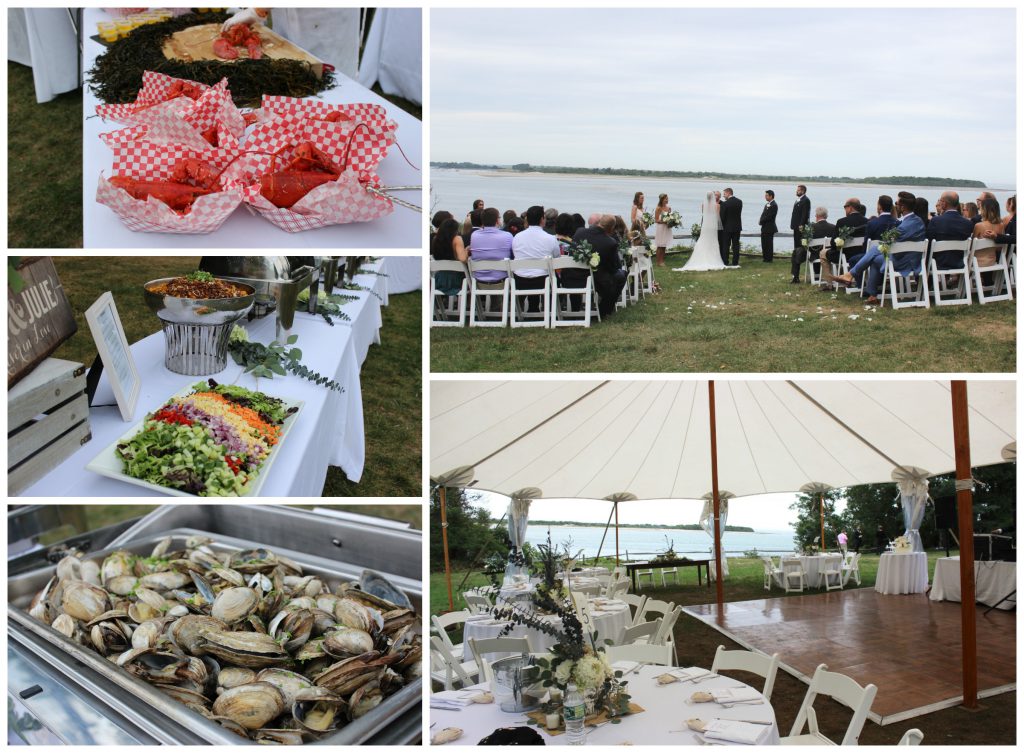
636	604
769	571
831	573
451	671
565	316
814	259
942	292
999	270
749	661
643	630
655	607
476	603
911	737
519	312
852	568
444	307
442	622
646	653
899	289
617	589
842	689
792	569
479	313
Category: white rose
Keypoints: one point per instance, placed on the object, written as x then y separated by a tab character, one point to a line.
840	242
563	672
595	260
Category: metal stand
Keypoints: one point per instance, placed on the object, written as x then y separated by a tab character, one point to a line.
1011	595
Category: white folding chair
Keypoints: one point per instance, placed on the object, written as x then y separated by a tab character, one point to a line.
638	272
562	314
1011	254
770	572
641	574
636	604
447	306
616	589
830	573
644	653
484	646
840	688
667	571
851	568
448	670
814	249
911	737
477	603
654	607
999	270
666	633
521	316
792	570
845	266
900	291
749	661
646	630
442	622
943	293
480	314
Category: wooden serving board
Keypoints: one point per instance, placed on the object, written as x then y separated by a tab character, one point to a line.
590	721
196	43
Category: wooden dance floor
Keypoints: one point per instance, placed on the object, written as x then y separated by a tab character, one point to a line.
907	645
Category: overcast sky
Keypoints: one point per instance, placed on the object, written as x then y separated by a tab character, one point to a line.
873	91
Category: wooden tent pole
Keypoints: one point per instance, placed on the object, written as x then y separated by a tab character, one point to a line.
715	497
616	534
444	543
965	509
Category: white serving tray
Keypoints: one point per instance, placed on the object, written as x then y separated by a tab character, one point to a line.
109	464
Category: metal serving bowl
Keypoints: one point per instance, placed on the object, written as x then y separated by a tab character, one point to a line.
204	311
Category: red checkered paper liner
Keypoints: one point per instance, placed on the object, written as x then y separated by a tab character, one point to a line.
336	203
215	107
145	160
152	95
372	115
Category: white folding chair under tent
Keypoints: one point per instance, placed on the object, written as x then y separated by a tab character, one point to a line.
644	653
749	661
841	689
442	622
912	736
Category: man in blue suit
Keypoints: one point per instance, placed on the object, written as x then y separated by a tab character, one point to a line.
911	228
949	225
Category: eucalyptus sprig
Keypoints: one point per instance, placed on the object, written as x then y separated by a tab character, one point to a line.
357	286
267	360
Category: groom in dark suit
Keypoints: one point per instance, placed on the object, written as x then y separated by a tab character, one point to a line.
768	226
730	213
801	216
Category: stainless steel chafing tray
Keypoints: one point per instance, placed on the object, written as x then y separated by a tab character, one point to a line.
122	702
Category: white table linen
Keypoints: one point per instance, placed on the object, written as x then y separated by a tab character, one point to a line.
993	581
813	565
902	573
328	431
44	39
663	721
403	228
394	52
404	273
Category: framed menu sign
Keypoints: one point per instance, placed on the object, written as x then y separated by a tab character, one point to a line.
39	316
112	345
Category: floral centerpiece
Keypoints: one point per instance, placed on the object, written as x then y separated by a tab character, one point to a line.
672	219
695	231
901	544
889	237
584	253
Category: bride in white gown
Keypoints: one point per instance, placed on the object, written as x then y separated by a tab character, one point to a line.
706	254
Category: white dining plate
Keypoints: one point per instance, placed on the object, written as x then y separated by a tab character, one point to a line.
107	463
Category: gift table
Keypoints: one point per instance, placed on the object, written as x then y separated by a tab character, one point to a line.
661	723
902	573
401	229
328	430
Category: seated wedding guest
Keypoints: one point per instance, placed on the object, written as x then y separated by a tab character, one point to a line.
507	216
550	215
534	243
949	225
970	211
478	204
1009	234
911	228
921	209
564	230
439	216
490	243
447	246
853	218
990	222
620	228
981	197
609	277
516	225
822	228
472	223
578	220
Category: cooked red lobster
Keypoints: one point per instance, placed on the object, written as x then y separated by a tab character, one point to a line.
335	116
308	168
190	179
239	35
179	88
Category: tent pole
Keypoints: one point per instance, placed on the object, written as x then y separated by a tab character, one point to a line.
714	492
821	518
603	537
964	500
444	541
616	534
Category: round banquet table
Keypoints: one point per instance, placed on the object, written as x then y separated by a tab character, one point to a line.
661	723
327	431
403	228
902	573
812	564
993	582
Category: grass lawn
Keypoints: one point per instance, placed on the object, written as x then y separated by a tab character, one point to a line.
390	377
746	320
994	723
44	165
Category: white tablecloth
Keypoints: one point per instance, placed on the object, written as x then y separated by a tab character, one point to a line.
993	581
328	431
813	565
663	721
394	52
404	273
44	40
902	573
401	229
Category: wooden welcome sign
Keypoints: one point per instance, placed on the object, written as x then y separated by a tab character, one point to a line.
39	316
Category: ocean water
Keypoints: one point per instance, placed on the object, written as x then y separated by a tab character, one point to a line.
455	190
652	540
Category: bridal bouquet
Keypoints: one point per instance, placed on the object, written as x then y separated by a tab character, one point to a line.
889	237
647	218
584	253
672	219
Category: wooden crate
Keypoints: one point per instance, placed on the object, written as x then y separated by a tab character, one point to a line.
47	421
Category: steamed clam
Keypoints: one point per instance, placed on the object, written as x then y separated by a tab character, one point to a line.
245	639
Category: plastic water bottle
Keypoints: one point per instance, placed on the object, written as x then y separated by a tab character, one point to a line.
574	712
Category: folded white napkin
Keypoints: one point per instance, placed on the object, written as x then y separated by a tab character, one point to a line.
735	695
690	673
625	665
735	732
453	697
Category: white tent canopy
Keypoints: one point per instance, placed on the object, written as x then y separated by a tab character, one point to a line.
593	439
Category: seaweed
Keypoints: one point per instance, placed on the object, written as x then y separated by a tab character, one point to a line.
117	75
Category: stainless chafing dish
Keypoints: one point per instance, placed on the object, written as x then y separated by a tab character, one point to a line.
78	696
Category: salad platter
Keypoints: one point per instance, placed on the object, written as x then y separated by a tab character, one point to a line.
208	440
